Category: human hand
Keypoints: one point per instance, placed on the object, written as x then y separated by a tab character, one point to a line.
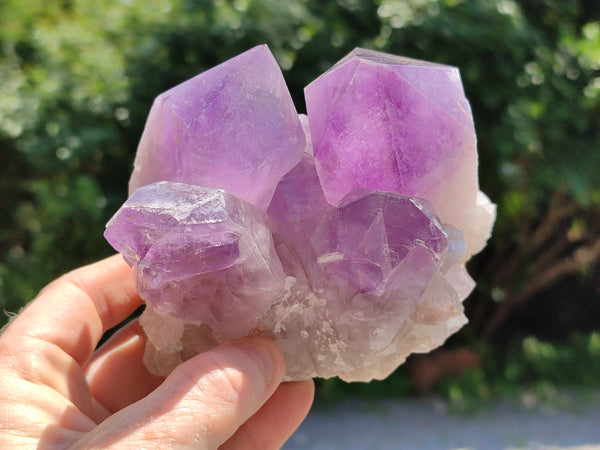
57	392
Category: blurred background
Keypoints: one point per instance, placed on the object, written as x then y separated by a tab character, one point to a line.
77	79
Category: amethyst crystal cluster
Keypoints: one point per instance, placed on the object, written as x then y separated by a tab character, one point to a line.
343	235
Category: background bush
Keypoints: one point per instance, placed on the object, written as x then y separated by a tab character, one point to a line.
77	79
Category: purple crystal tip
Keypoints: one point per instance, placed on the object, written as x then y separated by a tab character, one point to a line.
233	127
343	235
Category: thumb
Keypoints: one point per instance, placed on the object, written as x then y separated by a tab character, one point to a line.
202	403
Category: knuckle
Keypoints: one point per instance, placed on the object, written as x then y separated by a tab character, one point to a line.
221	383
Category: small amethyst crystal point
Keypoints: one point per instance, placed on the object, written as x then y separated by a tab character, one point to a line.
360	243
199	254
234	127
342	236
298	205
396	124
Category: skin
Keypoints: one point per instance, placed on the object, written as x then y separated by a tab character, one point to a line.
57	391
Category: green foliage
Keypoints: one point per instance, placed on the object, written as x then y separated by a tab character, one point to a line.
531	371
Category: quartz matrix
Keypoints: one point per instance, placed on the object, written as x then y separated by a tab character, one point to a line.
341	235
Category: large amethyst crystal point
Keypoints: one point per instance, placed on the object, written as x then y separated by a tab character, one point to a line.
396	124
342	236
234	127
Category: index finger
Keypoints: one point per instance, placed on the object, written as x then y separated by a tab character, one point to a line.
74	311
